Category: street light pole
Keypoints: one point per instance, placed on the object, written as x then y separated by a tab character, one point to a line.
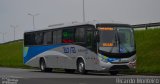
14	27
3	35
33	15
83	12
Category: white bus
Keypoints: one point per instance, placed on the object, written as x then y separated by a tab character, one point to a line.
82	47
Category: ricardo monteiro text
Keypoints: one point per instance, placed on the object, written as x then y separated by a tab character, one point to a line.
125	80
138	80
148	80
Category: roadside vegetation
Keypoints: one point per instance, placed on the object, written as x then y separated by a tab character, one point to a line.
148	51
11	54
147	45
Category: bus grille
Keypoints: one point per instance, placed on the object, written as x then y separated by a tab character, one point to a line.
119	67
118	62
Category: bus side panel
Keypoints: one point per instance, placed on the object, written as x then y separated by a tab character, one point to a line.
33	62
62	56
73	52
92	61
28	59
67	56
32	54
55	58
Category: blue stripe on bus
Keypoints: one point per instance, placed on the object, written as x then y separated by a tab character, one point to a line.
35	50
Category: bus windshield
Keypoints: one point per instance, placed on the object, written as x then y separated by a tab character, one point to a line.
116	40
126	39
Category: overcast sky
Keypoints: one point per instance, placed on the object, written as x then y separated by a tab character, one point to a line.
15	12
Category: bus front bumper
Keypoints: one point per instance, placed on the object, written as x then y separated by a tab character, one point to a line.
118	66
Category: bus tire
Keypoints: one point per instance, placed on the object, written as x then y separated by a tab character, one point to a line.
81	67
69	70
43	66
113	72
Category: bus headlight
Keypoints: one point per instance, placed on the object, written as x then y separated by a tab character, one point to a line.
132	64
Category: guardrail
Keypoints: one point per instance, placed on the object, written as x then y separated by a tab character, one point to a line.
18	40
146	26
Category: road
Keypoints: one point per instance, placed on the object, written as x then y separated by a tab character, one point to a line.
26	76
36	73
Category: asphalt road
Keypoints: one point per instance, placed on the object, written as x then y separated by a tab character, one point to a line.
32	76
36	73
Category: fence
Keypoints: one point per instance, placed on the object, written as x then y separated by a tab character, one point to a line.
146	26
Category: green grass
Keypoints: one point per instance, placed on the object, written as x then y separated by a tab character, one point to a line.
148	51
11	54
147	43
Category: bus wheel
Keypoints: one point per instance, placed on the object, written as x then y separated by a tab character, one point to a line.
81	67
43	66
113	72
69	70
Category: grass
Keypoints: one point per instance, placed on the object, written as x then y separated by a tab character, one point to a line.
147	44
11	54
148	51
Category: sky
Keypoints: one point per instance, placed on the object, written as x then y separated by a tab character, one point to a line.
15	12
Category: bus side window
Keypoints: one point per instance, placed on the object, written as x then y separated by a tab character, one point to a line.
38	38
54	37
26	39
47	38
68	35
79	35
90	38
59	36
29	39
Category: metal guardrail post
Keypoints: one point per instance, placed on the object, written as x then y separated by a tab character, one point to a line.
146	26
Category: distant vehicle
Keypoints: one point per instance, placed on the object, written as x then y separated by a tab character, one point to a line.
83	47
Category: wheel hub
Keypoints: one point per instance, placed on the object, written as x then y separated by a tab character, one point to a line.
42	66
81	67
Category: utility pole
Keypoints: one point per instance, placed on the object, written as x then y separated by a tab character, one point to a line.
83	12
14	27
33	15
3	36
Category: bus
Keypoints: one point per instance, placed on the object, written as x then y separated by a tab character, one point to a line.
81	47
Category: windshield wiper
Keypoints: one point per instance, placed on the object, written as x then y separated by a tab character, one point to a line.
120	45
123	47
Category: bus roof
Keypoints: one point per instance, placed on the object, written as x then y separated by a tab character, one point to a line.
61	25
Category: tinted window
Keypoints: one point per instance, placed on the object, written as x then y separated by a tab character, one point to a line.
79	35
59	36
90	39
47	38
68	35
54	37
29	39
38	38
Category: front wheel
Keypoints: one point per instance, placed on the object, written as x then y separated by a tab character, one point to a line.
81	67
43	66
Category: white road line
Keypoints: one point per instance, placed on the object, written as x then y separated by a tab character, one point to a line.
6	76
